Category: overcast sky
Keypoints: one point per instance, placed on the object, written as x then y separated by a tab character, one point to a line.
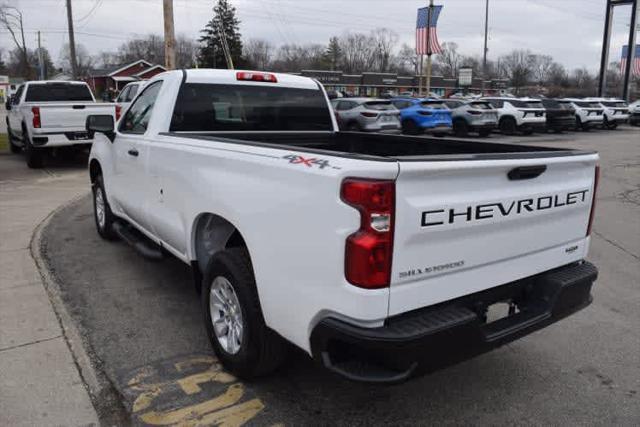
569	30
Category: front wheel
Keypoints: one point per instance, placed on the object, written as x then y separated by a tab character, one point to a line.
233	317
102	214
410	127
15	149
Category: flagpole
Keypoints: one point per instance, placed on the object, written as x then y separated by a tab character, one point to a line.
420	73
429	12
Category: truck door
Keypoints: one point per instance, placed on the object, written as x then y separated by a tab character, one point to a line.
131	148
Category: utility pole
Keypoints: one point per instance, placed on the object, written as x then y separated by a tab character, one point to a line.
72	42
40	60
631	51
169	36
485	50
430	11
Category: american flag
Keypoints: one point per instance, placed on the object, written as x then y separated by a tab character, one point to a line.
422	28
635	65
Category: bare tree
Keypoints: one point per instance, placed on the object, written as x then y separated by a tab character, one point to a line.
11	19
259	53
518	68
385	41
541	67
84	61
357	52
407	60
448	62
186	52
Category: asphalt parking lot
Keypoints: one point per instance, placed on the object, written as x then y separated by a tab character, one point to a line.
141	326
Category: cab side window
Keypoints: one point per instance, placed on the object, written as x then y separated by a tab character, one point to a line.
16	97
132	93
137	117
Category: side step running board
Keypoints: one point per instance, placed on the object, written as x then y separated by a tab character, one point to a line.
138	241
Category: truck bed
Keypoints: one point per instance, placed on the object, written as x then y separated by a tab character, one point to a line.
382	147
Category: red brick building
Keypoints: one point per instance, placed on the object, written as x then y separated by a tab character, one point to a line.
117	76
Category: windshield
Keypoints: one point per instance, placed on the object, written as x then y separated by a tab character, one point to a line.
379	105
526	104
58	92
214	107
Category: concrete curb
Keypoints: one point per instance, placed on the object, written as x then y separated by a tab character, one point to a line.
101	391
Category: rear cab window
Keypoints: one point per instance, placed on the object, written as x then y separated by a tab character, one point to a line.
215	107
58	92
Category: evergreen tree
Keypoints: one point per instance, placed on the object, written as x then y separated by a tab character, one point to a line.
333	54
211	54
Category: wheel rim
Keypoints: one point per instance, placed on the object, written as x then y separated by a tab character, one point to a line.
100	207
226	315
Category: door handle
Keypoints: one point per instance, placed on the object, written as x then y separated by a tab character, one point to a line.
526	172
133	152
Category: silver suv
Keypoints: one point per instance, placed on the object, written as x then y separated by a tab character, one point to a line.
366	114
472	116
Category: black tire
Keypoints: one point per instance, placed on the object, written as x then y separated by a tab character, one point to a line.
15	149
612	126
582	126
484	132
34	156
104	228
460	127
261	350
508	126
353	127
410	127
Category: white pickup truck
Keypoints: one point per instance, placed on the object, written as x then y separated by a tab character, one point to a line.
44	115
382	256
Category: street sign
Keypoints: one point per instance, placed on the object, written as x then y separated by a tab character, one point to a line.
465	76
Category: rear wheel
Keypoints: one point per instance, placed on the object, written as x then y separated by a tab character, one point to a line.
508	125
233	317
410	127
581	125
34	156
12	143
460	127
353	127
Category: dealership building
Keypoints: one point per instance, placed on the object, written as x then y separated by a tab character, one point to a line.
376	84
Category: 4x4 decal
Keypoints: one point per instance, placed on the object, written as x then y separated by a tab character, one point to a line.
295	159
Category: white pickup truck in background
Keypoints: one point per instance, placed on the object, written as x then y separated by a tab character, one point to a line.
42	115
382	256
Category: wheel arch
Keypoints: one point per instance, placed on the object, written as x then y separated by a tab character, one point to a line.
211	233
94	170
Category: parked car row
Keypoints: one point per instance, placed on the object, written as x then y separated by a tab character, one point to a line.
459	116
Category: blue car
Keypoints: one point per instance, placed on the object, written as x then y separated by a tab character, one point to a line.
420	115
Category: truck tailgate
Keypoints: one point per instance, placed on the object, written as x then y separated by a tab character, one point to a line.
71	116
468	225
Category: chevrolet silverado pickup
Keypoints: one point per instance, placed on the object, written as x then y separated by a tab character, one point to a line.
45	115
381	256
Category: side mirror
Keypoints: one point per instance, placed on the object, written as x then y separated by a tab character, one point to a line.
102	123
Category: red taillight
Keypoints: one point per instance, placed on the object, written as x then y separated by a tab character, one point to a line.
596	181
118	112
368	114
256	77
368	252
36	117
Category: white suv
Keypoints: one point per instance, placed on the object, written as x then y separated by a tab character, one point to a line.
615	111
524	114
589	114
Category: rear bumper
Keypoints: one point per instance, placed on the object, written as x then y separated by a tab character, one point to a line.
60	139
538	125
428	339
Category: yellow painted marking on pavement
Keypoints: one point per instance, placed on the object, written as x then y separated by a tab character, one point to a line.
191	384
230	417
180	366
144	400
195	412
